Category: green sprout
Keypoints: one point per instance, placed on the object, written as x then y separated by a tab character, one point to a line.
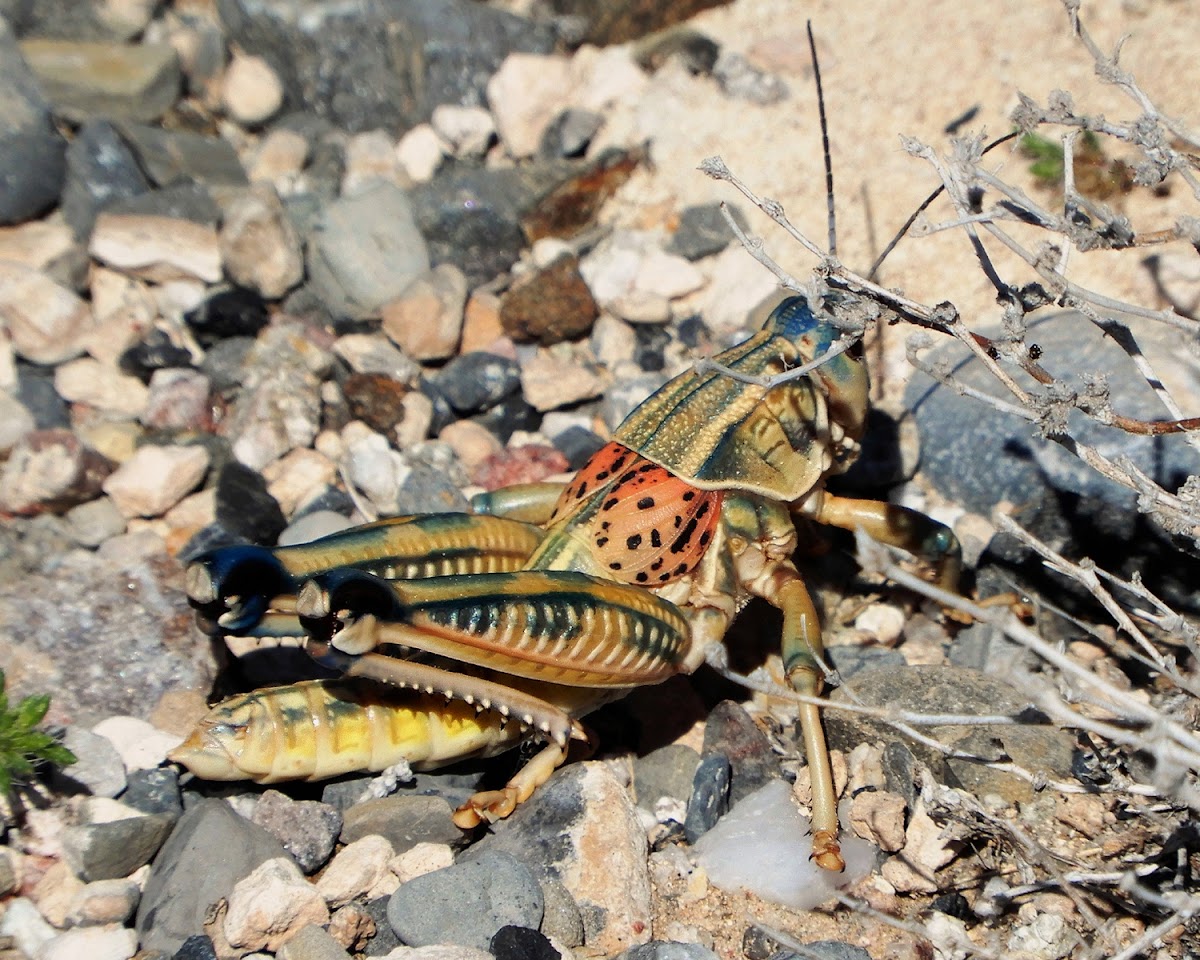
22	746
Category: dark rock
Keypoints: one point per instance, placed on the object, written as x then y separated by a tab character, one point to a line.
443	413
665	772
569	134
64	20
561	919
333	499
101	168
106	851
32	151
652	341
984	647
667	950
180	201
697	52
578	444
404	821
228	313
552	305
624	20
900	771
849	661
1033	744
396	60
154	791
172	157
509	415
37	393
198	947
710	796
210	850
376	399
154	352
694	333
954	905
475	381
307	829
385	939
729	732
245	507
704	231
489	891
428	489
521	943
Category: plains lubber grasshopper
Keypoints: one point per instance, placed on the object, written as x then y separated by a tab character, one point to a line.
646	557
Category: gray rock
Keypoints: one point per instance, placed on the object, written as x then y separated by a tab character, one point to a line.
107	851
667	950
101	168
307	829
704	231
35	390
1007	458
849	661
98	767
154	791
1035	745
181	156
89	79
665	772
561	918
210	850
385	939
397	59
488	891
364	250
32	151
478	380
569	134
312	943
404	821
710	796
181	201
106	638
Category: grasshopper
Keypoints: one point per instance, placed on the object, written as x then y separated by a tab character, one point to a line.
629	574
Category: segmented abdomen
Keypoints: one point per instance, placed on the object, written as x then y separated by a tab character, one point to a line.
322	728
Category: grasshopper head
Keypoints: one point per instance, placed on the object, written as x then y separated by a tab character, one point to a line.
234	585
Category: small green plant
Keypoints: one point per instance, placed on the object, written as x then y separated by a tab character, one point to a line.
1096	175
21	744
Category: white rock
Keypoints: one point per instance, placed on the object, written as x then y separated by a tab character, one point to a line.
370	157
312	526
271	905
94	522
280	158
472	441
297	476
178	399
884	621
46	322
98	385
421	859
914	869
525	94
417	421
156	478
374	353
157	248
356	869
762	845
439	951
124	309
667	275
546	250
103	901
611	268
252	92
141	745
601	77
550	380
426	320
468	130
613	340
259	246
127	18
15	422
25	925
37	244
420	152
638	306
373	466
879	817
1048	937
95	943
8	363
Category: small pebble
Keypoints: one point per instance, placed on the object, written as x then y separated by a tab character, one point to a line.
358	871
710	796
95	943
272	905
252	92
307	829
156	478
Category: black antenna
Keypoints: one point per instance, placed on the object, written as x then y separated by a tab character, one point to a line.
812	49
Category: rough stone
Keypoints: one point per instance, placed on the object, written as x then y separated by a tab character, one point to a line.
259	247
